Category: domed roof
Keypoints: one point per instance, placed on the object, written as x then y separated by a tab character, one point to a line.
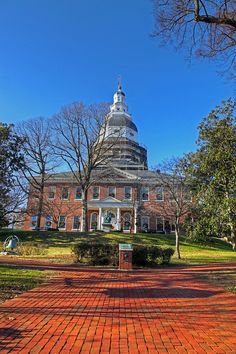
121	121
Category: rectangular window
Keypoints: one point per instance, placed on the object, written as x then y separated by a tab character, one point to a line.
62	222
144	193
78	193
34	219
160	224
76	223
128	193
48	222
159	193
51	192
95	194
145	223
94	221
65	193
112	191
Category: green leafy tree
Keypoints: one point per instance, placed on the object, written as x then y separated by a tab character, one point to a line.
212	171
11	160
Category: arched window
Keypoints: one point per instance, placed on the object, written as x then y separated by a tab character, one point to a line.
126	221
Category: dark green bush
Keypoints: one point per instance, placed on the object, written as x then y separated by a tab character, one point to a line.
140	255
151	256
96	253
107	254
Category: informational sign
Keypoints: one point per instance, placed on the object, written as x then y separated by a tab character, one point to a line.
125	247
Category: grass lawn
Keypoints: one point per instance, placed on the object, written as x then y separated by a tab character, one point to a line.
58	245
14	281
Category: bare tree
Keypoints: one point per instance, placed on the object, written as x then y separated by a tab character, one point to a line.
54	210
83	144
178	200
208	28
39	160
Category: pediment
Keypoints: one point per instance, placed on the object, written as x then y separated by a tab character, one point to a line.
112	174
110	200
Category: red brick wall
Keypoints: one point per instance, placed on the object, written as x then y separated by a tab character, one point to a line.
73	207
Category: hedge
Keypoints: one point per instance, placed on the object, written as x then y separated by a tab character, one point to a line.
108	254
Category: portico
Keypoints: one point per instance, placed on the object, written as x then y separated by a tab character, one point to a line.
120	215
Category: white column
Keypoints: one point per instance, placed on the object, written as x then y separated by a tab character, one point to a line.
118	219
135	220
100	219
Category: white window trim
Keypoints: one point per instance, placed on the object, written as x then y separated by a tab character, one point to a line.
108	191
163	224
62	228
146	217
145	200
36	219
90	225
131	192
79	229
68	197
45	221
160	200
54	192
79	199
98	193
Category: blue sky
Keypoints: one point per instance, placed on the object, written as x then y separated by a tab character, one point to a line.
54	52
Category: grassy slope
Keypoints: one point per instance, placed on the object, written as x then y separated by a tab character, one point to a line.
59	244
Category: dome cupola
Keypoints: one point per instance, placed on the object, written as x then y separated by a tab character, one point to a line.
126	153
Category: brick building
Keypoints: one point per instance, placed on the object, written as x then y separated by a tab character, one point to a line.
125	196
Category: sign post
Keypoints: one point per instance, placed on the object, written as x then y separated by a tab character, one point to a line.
125	256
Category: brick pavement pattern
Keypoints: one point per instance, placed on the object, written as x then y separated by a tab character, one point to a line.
106	311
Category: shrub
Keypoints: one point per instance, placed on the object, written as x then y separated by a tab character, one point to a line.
96	253
151	256
107	254
140	255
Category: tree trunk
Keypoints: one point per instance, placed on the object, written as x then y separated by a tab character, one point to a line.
40	206
177	241
85	211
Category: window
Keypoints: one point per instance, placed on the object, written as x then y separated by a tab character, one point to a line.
62	222
159	193
145	193
94	221
126	222
111	191
48	222
65	193
159	224
78	193
95	194
76	223
145	223
128	192
51	192
34	219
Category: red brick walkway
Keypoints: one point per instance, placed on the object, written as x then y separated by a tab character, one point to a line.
97	311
